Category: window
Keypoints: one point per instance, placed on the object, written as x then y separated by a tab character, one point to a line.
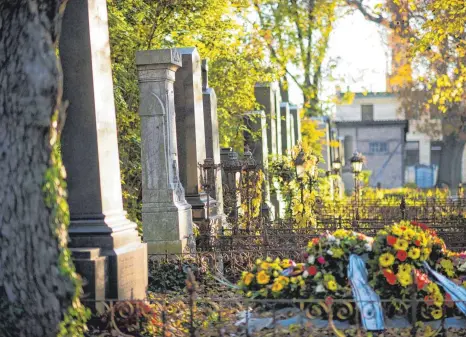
367	112
378	147
412	153
435	150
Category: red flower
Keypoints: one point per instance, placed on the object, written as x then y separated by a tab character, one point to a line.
390	277
429	300
312	270
315	241
421	279
403	228
321	259
448	300
401	255
417	243
414	223
391	240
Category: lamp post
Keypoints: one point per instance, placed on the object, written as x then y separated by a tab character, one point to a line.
357	161
336	166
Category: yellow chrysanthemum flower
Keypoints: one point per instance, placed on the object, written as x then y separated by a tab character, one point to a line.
414	253
294	280
258	262
249	294
277	287
283	279
405	268
340	233
438	299
332	285
337	253
397	231
405	279
386	260
264	265
408	234
276	274
247	279
437	313
425	253
285	263
401	244
262	277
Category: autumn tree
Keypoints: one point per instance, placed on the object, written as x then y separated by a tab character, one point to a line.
236	63
296	34
429	72
39	288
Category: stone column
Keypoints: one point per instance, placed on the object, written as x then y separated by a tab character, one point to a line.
292	131
190	129
294	111
166	216
286	127
255	137
105	244
265	98
212	137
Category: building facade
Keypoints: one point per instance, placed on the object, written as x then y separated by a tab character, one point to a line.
397	151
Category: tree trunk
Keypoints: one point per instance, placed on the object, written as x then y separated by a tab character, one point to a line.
449	172
34	292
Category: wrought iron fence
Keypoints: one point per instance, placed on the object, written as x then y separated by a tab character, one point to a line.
193	316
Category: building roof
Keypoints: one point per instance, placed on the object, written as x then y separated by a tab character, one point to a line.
402	122
375	94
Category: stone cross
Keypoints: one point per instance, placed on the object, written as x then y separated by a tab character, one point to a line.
106	248
190	128
166	216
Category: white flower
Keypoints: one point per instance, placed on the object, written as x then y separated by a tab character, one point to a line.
368	247
329	252
337	242
305	274
331	238
320	288
311	259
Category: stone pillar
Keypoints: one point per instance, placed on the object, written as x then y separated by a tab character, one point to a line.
292	131
212	138
166	216
255	137
286	128
105	244
294	111
265	98
190	129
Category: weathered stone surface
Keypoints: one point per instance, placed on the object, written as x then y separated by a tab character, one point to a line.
286	127
90	155
166	216
212	137
256	139
294	111
190	128
265	98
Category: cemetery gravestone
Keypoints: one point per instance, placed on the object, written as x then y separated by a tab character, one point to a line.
106	248
166	216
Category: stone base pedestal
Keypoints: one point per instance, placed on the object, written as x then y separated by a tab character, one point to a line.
113	274
162	237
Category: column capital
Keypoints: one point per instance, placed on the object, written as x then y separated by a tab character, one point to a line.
167	57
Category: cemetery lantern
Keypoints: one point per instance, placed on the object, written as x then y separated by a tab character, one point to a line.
208	177
336	166
357	161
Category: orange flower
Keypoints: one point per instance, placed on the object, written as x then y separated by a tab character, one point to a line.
429	300
401	255
391	240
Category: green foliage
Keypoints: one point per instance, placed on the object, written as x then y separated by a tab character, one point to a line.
74	320
296	33
236	64
171	275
